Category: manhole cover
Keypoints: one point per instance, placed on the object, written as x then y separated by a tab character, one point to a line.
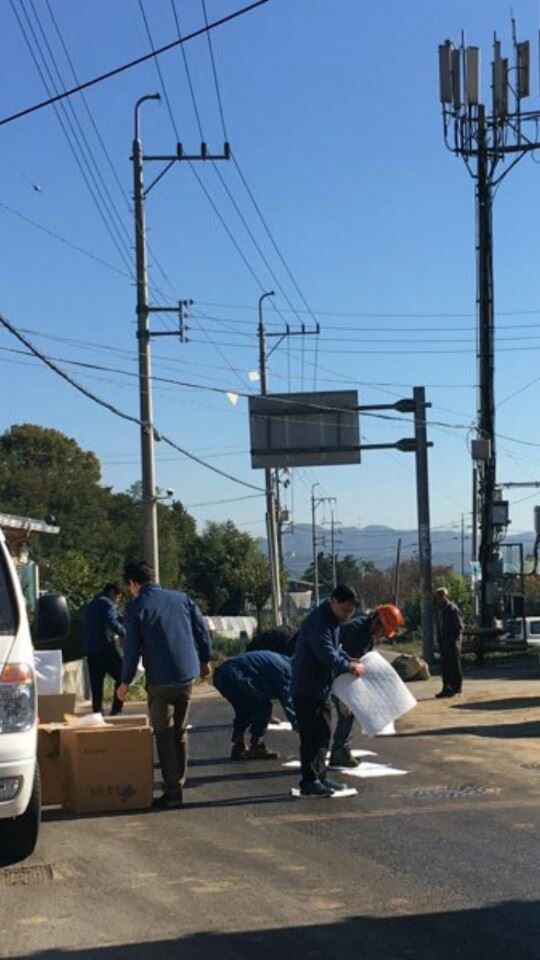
26	874
461	791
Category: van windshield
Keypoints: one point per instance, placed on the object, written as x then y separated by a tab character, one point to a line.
8	618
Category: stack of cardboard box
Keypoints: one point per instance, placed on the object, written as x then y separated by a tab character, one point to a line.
89	769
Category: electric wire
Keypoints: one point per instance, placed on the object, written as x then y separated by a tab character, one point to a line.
131	63
116	411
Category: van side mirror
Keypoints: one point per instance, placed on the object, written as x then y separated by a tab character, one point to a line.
52	620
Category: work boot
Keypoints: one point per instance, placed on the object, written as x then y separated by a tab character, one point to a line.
444	694
259	751
238	751
342	757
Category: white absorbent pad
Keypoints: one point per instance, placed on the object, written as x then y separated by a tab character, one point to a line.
338	795
281	725
367	769
378	697
49	671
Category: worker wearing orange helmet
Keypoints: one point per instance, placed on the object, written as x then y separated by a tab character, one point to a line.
357	637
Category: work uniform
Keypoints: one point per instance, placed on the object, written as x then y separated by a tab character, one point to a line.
355	638
250	682
449	636
318	660
101	626
168	630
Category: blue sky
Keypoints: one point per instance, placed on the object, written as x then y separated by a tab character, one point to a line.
332	112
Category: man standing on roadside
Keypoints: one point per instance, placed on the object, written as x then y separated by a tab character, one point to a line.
168	630
318	660
101	626
449	635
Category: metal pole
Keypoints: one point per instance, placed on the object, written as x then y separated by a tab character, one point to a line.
486	418
271	519
397	572
333	548
424	533
314	545
149	503
462	545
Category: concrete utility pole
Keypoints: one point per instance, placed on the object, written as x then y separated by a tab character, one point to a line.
149	502
315	502
397	572
424	530
483	139
144	334
269	482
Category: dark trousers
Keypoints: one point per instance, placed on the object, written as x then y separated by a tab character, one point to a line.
343	731
99	666
314	719
169	709
452	676
252	709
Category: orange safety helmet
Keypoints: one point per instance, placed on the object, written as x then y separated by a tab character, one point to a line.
390	617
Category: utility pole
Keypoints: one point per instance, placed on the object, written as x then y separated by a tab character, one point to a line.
424	534
144	334
316	502
333	548
397	573
462	545
269	482
483	139
149	502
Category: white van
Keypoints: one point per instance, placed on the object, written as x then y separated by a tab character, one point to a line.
20	795
526	629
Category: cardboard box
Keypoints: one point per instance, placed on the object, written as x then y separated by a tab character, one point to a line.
128	720
53	707
107	768
51	763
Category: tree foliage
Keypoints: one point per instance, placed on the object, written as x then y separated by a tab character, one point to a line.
46	475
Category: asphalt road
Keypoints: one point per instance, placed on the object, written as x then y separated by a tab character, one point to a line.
440	863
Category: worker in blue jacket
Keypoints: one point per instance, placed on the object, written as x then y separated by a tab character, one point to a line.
101	626
169	631
318	659
250	682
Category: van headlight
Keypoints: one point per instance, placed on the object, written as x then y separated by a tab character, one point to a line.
17	698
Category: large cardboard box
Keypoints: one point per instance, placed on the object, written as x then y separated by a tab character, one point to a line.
128	720
50	763
107	768
53	707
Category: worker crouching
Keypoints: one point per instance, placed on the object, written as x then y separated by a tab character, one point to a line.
251	682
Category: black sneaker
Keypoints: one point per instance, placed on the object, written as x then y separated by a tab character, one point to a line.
444	694
238	751
342	757
259	751
317	790
335	785
168	803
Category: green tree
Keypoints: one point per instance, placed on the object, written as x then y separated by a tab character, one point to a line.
347	571
224	566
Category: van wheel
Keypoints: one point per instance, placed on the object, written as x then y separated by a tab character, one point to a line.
19	835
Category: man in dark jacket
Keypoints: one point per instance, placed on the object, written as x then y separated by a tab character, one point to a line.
169	631
318	660
250	682
449	635
358	637
101	626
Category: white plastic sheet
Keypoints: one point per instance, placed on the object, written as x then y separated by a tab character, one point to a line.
48	665
378	698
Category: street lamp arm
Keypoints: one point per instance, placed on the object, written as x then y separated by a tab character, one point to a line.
141	100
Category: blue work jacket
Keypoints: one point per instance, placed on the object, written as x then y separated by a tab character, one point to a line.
318	657
169	631
269	674
101	624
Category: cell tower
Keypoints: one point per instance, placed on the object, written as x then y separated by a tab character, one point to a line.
491	140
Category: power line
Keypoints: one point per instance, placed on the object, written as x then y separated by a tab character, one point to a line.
132	63
115	410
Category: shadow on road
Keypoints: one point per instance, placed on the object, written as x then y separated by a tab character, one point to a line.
496	932
500	731
513	703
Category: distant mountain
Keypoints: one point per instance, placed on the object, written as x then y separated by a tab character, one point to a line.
378	544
